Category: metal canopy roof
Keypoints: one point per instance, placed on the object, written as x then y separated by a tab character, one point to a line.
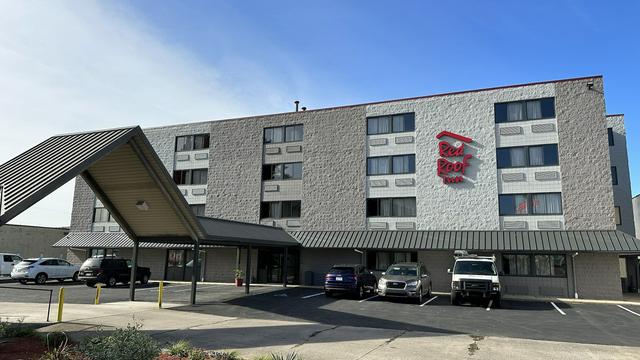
126	174
565	241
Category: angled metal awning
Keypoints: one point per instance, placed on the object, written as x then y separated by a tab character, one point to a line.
548	241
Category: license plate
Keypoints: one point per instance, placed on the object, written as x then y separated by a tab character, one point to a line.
338	278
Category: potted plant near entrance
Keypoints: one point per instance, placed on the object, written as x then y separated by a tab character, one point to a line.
238	275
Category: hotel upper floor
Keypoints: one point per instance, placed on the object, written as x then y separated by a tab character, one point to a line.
532	157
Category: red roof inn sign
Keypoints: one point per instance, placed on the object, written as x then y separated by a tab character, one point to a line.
448	169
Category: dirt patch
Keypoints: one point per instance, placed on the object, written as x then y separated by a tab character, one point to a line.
26	348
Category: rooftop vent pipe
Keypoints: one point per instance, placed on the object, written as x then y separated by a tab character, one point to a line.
297	102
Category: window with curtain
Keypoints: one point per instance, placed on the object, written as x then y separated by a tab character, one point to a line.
378	165
293	133
101	215
199	176
200	141
391	124
292	171
514	264
523	156
542	265
279	134
385	165
525	110
534	110
404	164
198	209
546	204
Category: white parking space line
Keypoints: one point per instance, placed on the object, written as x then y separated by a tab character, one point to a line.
557	308
189	288
631	311
369	298
312	295
428	301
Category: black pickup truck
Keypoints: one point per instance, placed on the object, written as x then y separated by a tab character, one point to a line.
110	271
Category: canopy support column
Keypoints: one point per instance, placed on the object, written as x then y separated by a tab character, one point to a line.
195	274
285	267
247	283
134	270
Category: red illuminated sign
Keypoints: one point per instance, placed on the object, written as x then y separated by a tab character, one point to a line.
447	168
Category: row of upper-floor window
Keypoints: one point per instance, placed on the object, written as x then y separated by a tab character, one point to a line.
525	110
283	171
530	204
192	142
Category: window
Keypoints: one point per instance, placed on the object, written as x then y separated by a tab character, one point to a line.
198	209
525	110
530	204
385	165
287	171
614	175
391	207
280	209
546	204
192	142
190	177
542	265
523	156
381	260
101	215
616	215
281	134
391	124
610	136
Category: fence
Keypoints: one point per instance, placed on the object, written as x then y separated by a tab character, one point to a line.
50	291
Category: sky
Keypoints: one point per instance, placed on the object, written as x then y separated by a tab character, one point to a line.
81	65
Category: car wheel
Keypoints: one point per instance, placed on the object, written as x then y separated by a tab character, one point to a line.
360	292
22	281
111	281
75	276
41	278
328	294
145	279
419	297
374	289
496	301
429	292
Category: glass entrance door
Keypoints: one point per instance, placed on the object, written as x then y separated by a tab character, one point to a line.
270	263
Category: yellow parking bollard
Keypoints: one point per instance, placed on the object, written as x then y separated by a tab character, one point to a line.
60	303
160	290
98	290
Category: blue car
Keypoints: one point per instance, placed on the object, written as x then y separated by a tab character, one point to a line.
350	279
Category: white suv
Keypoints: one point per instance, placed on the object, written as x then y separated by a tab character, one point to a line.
43	269
475	276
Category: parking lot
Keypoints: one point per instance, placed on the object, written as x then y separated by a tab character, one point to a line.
607	324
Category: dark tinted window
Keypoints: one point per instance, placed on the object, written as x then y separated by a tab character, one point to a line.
525	110
192	142
474	267
201	141
182	177
523	156
614	175
198	209
391	124
391	207
548	108
402	270
342	270
610	136
385	165
280	209
513	204
199	176
190	177
530	204
93	262
7	258
27	262
49	262
281	134
292	171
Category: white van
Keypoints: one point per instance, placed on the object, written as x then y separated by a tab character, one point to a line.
7	261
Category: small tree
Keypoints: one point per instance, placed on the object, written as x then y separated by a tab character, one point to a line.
238	273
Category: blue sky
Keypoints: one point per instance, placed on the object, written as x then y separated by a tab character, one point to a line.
69	65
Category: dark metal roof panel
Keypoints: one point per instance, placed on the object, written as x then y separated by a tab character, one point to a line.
230	232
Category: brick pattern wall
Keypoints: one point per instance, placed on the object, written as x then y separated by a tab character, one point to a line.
83	203
77	256
619	159
598	276
583	150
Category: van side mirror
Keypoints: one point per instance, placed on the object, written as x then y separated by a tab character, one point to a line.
449	271
383	273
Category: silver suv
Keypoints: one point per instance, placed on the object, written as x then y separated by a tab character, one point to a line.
409	280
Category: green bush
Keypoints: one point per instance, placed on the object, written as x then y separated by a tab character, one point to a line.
17	329
197	354
225	355
124	344
58	348
180	348
288	356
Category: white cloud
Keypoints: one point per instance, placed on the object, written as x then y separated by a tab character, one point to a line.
71	66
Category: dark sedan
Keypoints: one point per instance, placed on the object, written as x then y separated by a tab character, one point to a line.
351	279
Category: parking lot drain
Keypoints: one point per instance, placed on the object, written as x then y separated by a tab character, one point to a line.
473	347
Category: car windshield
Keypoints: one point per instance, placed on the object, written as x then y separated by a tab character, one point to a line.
402	270
92	262
341	270
27	262
475	268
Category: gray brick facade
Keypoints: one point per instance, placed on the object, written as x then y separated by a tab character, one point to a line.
83	203
583	150
619	158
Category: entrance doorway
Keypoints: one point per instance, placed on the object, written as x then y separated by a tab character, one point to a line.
180	264
270	265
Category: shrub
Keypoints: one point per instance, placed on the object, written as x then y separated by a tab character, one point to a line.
58	348
180	348
124	344
197	354
288	356
17	329
225	355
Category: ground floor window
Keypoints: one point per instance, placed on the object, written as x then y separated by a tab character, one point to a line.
101	252
541	265
381	260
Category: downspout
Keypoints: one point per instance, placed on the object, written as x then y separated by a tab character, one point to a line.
573	271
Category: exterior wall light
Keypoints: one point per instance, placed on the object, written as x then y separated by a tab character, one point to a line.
142	205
